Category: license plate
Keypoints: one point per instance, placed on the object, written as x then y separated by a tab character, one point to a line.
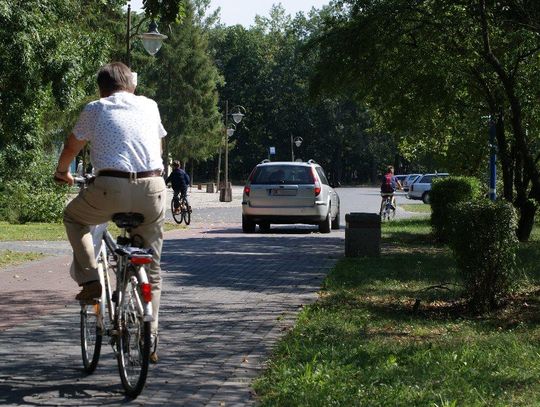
283	192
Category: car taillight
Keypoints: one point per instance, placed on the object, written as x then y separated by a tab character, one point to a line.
317	189
247	190
146	292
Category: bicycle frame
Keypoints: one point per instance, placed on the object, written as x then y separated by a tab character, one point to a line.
105	245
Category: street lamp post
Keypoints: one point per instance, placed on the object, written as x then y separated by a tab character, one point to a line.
238	113
492	159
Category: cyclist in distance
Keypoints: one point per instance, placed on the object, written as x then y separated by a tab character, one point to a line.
388	187
125	132
179	180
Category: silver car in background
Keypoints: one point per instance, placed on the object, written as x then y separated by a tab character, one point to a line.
409	180
289	192
422	186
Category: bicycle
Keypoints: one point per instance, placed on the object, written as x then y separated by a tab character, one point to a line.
388	211
183	213
125	313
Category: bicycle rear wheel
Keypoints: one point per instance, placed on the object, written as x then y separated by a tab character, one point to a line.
176	216
133	344
91	335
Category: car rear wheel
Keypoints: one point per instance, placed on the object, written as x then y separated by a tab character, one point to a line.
335	222
326	225
425	198
248	226
264	227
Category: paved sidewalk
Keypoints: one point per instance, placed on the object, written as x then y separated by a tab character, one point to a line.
227	298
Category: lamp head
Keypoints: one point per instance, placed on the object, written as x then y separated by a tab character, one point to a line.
152	40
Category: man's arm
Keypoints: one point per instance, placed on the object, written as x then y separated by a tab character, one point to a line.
72	147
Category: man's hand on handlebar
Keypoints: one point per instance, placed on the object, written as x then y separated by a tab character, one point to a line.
63	178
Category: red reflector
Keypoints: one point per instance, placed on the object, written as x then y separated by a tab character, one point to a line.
146	292
140	260
317	191
247	190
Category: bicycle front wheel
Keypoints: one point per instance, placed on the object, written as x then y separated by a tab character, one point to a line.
91	335
186	214
133	344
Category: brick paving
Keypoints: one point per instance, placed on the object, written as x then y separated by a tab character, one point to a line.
227	298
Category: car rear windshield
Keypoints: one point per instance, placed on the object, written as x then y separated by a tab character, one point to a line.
282	174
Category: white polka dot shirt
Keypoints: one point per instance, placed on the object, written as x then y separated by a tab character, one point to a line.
125	133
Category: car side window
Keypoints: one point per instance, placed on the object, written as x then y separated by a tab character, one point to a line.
426	179
323	178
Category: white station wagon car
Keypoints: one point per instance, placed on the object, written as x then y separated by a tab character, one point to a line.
420	188
287	193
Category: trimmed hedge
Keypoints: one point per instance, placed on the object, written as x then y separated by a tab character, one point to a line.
445	194
484	243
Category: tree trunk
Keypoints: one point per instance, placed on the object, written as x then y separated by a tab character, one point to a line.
527	211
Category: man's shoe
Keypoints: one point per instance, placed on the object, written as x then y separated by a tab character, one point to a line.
91	291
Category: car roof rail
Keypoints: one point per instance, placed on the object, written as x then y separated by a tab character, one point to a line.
266	160
312	162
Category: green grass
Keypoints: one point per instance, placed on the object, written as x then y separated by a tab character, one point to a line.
10	258
366	343
50	231
417	208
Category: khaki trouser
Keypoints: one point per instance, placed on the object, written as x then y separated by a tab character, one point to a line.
97	203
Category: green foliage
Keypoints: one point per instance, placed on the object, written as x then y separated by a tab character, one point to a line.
484	242
31	196
266	70
185	81
444	194
169	10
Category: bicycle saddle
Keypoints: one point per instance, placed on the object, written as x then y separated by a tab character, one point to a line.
127	219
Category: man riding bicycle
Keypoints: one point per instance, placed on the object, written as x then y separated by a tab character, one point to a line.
179	180
388	187
125	132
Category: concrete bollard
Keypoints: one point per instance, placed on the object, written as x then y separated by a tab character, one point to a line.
362	234
199	186
210	187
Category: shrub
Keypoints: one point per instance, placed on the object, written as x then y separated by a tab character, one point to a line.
33	196
484	243
445	194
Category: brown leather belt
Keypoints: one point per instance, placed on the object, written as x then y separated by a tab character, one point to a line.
122	174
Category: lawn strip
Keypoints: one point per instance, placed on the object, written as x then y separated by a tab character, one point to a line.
51	231
417	208
393	331
11	258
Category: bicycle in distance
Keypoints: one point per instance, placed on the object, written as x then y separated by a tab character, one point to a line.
183	212
124	312
388	210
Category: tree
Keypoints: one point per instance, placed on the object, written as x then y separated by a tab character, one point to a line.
186	79
430	70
